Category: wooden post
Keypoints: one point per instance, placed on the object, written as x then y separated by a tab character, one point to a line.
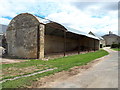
78	44
88	45
94	44
64	43
82	43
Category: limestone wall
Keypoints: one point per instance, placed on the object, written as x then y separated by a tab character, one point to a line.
97	44
54	44
111	38
21	37
22	43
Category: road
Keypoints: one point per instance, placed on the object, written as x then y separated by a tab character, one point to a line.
102	75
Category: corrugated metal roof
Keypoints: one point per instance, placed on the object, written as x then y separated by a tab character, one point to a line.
42	20
91	33
80	33
69	29
101	38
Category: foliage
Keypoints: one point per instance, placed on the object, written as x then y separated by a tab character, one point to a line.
115	45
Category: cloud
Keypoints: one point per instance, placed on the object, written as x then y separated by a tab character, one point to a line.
93	15
98	5
4	21
85	22
111	6
88	19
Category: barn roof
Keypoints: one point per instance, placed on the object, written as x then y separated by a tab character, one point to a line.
58	25
111	35
46	21
80	33
91	33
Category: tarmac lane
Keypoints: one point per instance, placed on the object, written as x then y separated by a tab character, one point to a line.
102	75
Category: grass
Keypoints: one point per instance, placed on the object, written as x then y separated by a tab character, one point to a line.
23	68
116	49
64	63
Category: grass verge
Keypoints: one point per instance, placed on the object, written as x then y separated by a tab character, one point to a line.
64	63
116	49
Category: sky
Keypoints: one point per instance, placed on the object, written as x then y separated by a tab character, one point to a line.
98	16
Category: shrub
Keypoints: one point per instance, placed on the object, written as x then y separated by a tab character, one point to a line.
115	45
107	45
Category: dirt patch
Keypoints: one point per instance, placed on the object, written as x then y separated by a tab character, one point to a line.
45	81
20	71
8	61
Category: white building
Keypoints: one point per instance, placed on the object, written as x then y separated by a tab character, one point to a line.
2	31
102	40
3	28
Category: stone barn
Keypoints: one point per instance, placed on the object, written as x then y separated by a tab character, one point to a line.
29	36
111	39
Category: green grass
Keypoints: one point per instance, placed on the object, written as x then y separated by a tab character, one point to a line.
23	68
116	49
64	63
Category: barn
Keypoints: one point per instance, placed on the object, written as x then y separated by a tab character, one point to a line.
30	36
102	41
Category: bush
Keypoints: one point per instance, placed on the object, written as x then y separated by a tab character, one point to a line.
107	45
115	45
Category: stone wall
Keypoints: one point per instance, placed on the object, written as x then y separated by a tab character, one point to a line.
97	44
111	38
90	43
54	44
21	37
41	42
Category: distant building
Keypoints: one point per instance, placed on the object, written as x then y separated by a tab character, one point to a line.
91	33
111	39
2	31
1	35
102	41
3	28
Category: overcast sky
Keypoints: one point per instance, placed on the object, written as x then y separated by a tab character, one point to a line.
98	16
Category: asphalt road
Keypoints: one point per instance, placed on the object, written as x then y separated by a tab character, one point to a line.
102	75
